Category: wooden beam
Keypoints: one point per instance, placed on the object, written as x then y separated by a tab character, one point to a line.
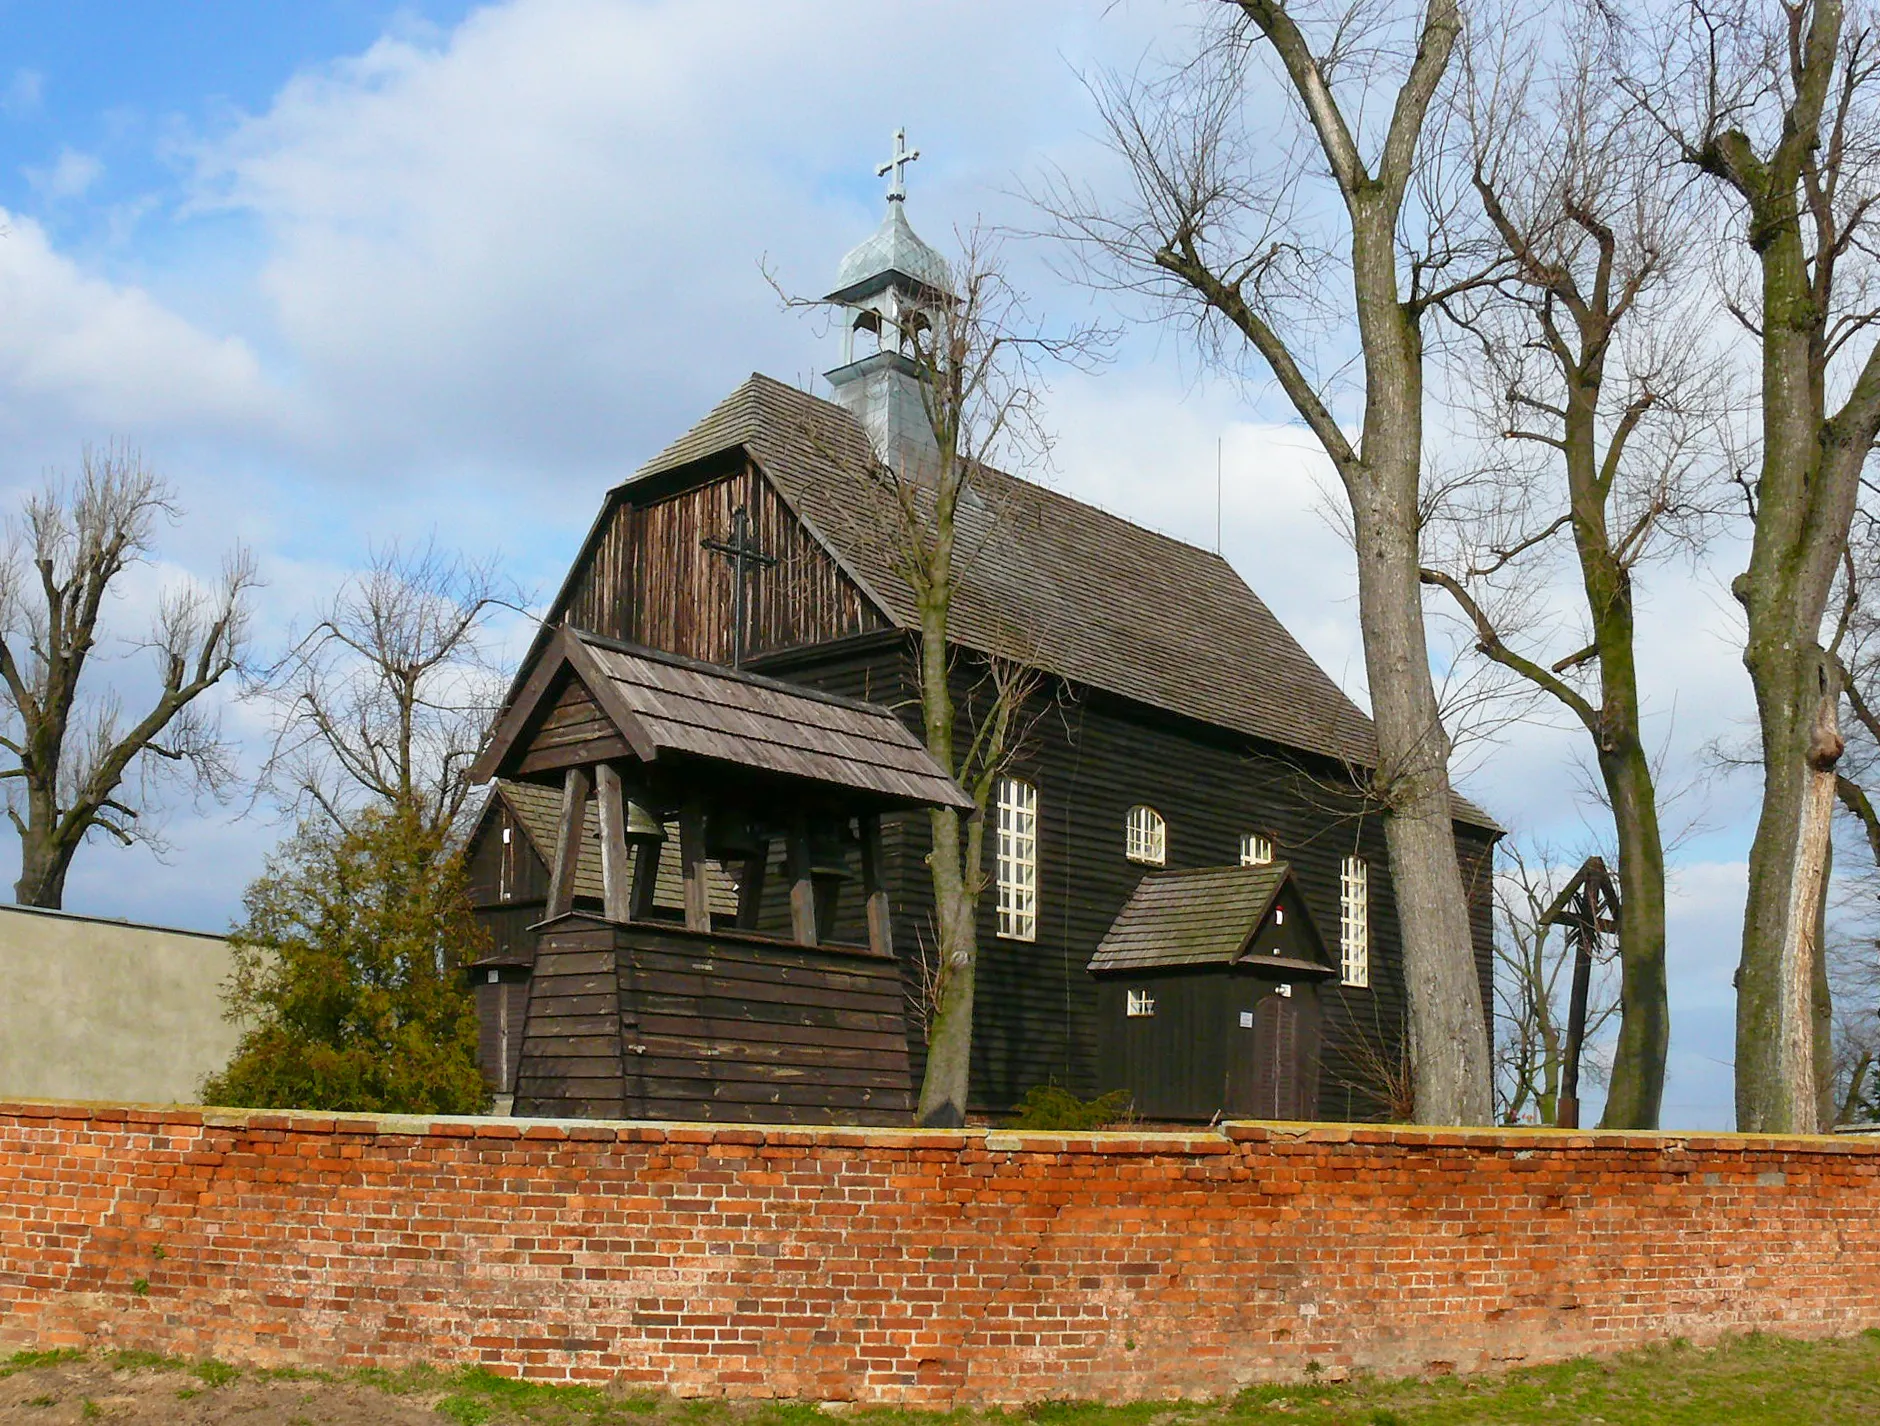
645	881
575	789
802	885
751	887
880	913
616	881
698	901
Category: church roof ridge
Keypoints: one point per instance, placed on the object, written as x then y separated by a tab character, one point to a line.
671	457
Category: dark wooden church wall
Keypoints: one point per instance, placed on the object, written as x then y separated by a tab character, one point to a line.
1092	758
648	579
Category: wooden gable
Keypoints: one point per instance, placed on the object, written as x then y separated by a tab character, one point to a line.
645	576
1245	916
593	700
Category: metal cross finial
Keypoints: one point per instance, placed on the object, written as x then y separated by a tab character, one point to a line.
897	190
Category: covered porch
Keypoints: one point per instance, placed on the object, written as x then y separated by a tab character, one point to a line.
755	1014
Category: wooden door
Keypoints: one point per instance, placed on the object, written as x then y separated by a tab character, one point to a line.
1276	1063
1272	1057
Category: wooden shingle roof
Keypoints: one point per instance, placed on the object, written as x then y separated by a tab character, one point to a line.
1051	581
1191	918
665	706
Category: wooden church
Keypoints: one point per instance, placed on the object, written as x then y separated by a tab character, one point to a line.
702	863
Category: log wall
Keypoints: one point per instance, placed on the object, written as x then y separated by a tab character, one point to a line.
649	1022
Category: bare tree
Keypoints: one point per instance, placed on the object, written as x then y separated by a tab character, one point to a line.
1227	227
387	698
1592	357
80	763
1777	104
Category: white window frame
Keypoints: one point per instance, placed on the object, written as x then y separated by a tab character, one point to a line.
1141	1005
1354	922
1017	859
1146	836
1256	849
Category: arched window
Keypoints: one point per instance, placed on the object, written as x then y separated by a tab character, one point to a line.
1018	859
1354	922
1256	849
1147	839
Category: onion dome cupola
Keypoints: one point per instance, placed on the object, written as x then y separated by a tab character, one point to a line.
888	288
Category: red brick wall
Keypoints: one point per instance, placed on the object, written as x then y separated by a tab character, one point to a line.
899	1265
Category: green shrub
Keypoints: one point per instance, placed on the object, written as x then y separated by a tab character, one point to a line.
1049	1108
349	976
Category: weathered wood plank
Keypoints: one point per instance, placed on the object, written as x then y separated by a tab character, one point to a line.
574	797
760	1010
658	1073
617	896
593	750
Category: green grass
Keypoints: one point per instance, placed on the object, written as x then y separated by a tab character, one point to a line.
28	1361
1747	1381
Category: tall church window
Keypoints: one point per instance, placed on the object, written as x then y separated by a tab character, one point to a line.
1146	837
1256	849
1018	859
1354	922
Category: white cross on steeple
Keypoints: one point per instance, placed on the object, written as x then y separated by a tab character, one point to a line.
897	190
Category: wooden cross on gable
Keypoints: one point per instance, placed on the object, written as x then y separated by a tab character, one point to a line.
897	190
747	558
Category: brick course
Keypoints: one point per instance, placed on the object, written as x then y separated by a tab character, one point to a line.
899	1265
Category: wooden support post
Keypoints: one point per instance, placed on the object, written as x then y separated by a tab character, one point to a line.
880	917
802	885
575	788
645	881
698	902
751	887
615	883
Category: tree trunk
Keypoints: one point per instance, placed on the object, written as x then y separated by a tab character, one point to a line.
43	865
1806	491
1635	1093
944	1087
1448	1032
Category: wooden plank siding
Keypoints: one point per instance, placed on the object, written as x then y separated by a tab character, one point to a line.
1092	757
649	580
646	1022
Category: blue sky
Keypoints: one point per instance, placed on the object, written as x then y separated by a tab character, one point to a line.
354	271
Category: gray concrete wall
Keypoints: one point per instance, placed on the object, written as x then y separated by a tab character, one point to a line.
97	1009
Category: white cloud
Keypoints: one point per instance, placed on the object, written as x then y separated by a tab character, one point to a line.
69	175
80	355
539	241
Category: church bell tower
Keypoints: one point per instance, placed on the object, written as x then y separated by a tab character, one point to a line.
889	289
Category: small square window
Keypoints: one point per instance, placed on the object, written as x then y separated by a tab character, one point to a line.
1141	1003
1255	849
